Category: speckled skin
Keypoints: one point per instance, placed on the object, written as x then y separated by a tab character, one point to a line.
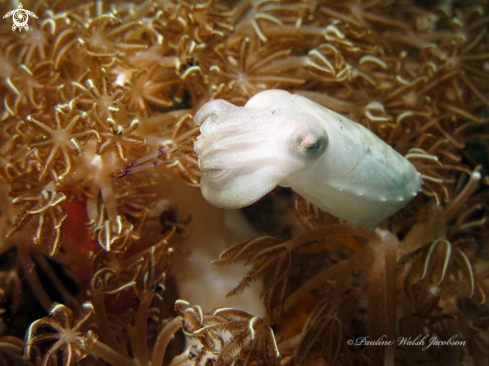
282	139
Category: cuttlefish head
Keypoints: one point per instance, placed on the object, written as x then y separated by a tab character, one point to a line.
245	152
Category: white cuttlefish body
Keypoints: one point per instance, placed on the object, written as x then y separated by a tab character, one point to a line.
282	139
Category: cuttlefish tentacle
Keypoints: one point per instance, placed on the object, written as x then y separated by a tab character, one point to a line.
282	139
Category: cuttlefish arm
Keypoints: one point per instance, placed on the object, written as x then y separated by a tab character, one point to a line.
282	139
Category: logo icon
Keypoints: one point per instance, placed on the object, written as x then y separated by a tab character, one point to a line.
20	17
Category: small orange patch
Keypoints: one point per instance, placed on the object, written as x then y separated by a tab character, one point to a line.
350	242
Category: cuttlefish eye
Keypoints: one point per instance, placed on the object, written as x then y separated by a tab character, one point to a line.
311	143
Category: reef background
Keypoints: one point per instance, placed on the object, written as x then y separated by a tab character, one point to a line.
93	269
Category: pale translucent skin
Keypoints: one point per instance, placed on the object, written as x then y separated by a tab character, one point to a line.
282	139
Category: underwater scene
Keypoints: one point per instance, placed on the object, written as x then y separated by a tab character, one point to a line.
244	182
